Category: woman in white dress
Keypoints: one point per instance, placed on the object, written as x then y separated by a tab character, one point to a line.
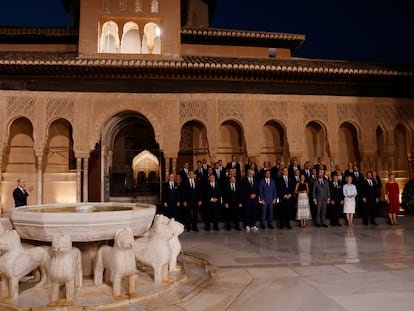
350	193
303	211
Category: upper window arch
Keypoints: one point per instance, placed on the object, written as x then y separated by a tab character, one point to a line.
131	41
109	39
138	36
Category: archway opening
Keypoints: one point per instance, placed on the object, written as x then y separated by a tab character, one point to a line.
129	136
349	145
275	142
193	143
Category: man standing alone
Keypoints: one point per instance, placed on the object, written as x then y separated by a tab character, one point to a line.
20	194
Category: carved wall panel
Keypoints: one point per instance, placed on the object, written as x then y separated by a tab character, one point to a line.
123	5
193	110
230	111
315	112
275	110
138	6
387	115
60	108
347	112
20	106
107	6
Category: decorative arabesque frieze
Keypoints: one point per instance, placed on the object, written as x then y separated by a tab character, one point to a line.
275	110
193	110
60	108
20	106
390	114
347	112
315	112
231	111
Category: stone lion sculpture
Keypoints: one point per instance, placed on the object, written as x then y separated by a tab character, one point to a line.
118	262
16	262
175	245
153	249
65	268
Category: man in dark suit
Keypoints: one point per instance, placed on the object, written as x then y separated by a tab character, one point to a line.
250	193
320	165
184	172
220	175
321	197
293	167
369	198
212	201
350	170
232	199
20	193
337	200
358	181
171	198
307	171
234	164
192	201
285	188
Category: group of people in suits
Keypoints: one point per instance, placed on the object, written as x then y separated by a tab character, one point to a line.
288	192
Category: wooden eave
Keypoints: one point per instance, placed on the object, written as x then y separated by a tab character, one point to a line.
203	68
229	37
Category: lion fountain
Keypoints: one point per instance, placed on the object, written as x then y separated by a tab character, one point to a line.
152	242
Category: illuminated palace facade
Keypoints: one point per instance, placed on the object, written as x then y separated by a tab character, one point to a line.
104	109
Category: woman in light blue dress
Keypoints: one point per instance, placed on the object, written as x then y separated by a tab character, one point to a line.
350	193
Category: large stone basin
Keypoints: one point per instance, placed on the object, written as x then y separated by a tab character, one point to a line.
84	222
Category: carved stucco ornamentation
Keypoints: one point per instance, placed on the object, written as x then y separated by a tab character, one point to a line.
315	112
123	5
277	110
107	6
154	6
186	138
390	115
231	111
348	112
20	106
386	115
60	108
191	110
138	6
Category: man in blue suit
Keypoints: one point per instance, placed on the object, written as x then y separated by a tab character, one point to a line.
267	191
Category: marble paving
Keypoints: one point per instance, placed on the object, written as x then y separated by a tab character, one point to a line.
335	268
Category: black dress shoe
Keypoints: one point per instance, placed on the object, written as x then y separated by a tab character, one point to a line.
289	227
317	225
262	227
195	229
325	225
237	228
374	223
339	225
270	226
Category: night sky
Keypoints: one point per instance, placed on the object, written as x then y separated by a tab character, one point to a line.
360	30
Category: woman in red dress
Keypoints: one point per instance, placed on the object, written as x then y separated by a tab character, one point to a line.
393	199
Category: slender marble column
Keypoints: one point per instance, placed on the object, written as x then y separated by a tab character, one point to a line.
39	180
78	179
85	179
174	165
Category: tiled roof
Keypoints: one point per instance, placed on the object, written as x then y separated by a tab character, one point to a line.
241	38
196	67
38	35
189	35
